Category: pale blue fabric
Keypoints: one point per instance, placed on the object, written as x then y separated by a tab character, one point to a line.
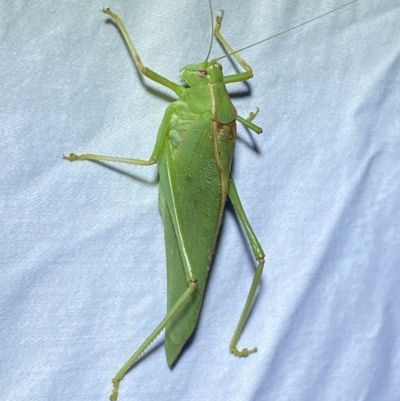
82	251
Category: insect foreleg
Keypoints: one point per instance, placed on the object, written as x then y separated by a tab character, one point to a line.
138	61
241	76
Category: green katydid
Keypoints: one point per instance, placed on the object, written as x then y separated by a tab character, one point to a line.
193	150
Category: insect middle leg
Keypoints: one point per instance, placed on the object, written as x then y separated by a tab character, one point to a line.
247	122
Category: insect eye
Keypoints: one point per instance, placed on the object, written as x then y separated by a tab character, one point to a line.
202	73
218	65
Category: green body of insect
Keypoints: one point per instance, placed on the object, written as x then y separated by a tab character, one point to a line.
194	150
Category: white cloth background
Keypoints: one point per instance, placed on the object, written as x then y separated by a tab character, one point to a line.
82	250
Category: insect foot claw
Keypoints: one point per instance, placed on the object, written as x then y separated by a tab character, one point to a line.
244	352
219	20
253	114
72	157
114	394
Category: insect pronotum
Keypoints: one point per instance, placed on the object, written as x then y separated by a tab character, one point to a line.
194	150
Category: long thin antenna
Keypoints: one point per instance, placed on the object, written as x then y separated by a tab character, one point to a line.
287	30
212	30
